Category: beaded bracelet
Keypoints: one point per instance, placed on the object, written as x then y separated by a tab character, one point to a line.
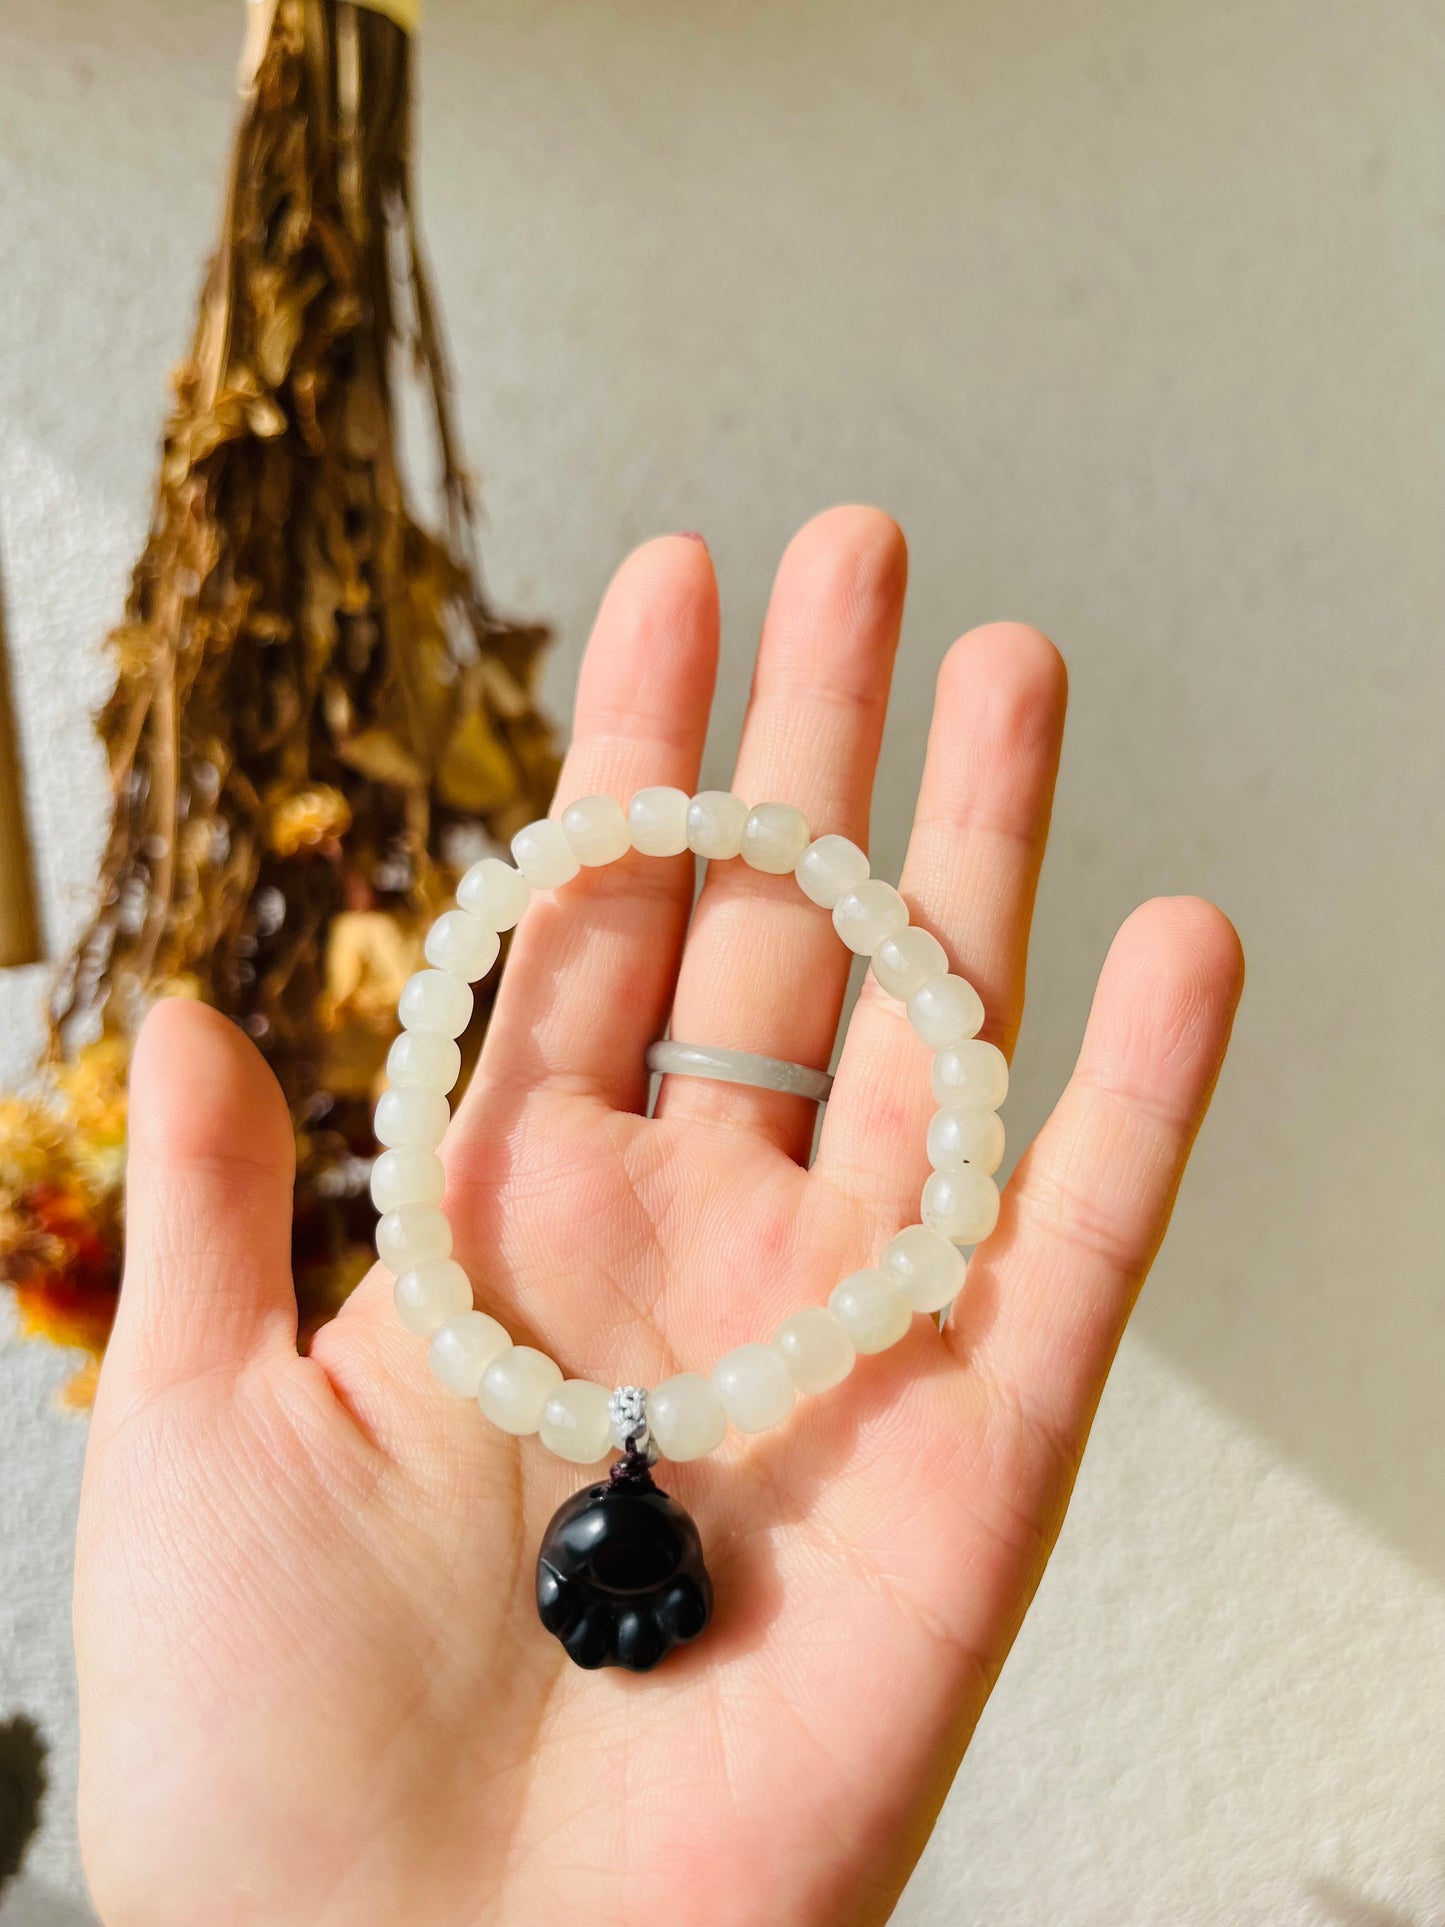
620	1575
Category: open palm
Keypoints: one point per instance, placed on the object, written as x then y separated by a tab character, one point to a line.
314	1686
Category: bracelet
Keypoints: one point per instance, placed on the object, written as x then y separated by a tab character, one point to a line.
621	1578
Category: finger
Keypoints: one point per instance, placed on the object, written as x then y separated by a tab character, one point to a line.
1048	1295
970	877
764	969
590	977
209	1174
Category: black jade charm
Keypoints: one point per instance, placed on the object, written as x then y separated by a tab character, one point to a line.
620	1575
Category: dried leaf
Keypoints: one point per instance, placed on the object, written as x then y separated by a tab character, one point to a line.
477	774
377	753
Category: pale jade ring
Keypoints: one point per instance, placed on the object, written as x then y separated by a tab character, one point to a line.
672	1059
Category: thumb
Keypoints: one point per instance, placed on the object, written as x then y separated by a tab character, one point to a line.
209	1174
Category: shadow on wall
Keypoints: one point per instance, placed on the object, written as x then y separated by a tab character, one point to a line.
22	1791
27	1904
1341	1908
1300	1287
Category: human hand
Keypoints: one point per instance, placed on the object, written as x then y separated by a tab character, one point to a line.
314	1688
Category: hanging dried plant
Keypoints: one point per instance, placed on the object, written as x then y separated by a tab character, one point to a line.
316	715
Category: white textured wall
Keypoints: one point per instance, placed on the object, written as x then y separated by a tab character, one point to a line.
1134	315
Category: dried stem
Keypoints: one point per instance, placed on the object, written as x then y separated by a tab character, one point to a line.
19	918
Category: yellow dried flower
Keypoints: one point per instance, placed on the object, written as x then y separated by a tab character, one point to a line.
93	1085
307	818
185	984
369	956
77	1394
32	1138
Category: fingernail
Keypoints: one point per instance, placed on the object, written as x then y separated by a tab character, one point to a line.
692	535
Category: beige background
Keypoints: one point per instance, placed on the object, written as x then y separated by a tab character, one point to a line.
1134	316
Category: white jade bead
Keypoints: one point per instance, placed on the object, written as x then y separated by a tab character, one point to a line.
972	1073
774	837
515	1388
408	1175
907	960
829	868
715	820
755	1387
867	916
494	893
597	830
430	1293
960	1134
576	1423
945	1011
962	1204
657	819
411	1114
462	944
686	1417
872	1310
424	1057
462	1348
816	1349
927	1268
543	854
411	1234
435	1000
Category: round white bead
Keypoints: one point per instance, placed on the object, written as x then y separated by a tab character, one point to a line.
973	1073
959	1134
495	893
657	819
774	837
865	916
962	1204
829	868
408	1175
424	1057
872	1310
515	1388
411	1234
715	820
431	1293
686	1417
543	855
411	1114
945	1011
575	1422
927	1268
462	944
755	1387
435	1000
816	1349
462	1349
597	830
907	960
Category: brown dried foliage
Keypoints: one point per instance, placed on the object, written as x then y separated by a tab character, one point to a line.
313	696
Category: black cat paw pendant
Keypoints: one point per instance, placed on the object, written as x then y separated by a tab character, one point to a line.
620	1574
